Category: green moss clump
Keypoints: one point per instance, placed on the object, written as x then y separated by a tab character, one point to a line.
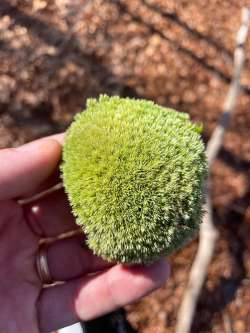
133	172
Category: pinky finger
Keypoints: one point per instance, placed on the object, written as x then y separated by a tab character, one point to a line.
93	296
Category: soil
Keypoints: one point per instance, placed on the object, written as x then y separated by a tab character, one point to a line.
56	53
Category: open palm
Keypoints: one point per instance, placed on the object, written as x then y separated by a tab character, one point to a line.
26	305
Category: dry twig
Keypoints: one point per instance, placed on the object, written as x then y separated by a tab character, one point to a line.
208	232
227	323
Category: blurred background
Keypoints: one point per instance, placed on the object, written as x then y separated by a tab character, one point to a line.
54	54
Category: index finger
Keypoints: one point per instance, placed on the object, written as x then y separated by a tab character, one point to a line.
25	168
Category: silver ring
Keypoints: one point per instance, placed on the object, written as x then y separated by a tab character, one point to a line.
42	265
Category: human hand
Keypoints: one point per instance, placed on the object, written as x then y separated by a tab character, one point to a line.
26	306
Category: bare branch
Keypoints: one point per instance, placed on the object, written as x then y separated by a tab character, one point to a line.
216	140
208	232
227	323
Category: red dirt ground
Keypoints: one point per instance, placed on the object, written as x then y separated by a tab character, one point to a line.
56	53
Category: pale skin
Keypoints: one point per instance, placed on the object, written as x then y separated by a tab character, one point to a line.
25	305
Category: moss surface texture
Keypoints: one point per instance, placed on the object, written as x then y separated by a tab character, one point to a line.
134	174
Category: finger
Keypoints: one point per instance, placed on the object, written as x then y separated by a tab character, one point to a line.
54	178
93	296
51	215
58	137
53	181
69	259
51	184
24	169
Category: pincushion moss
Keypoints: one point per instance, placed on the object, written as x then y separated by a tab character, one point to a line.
133	172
